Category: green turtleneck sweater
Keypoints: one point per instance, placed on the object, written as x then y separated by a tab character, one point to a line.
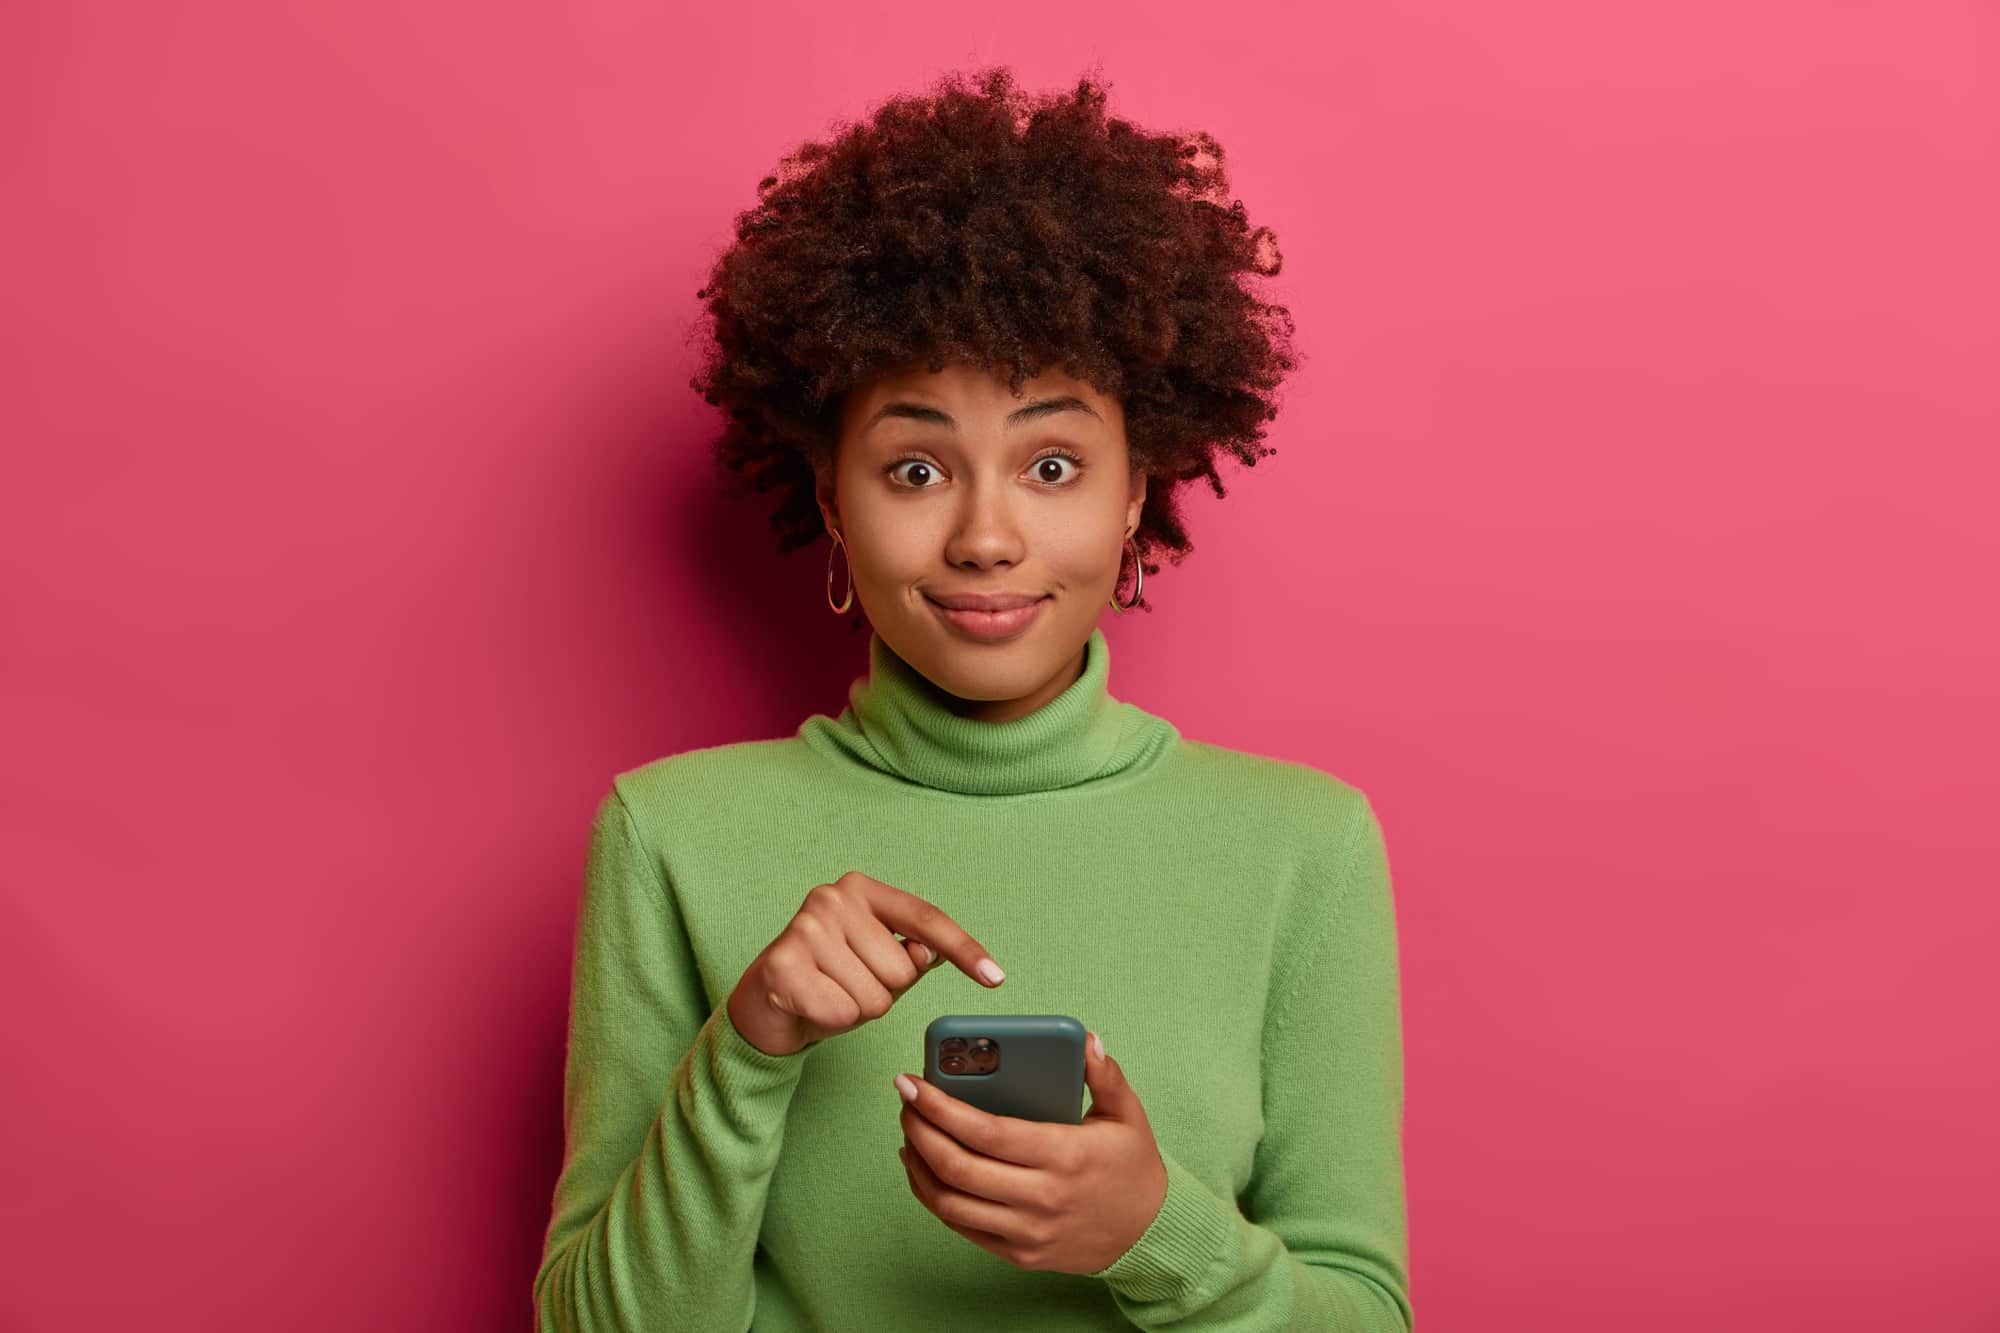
1223	920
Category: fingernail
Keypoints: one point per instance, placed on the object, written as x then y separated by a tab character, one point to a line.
929	957
905	1087
990	970
1097	1044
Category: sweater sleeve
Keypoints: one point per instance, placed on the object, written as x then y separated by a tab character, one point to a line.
1321	1240
672	1121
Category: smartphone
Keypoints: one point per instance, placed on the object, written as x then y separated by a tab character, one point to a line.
1025	1065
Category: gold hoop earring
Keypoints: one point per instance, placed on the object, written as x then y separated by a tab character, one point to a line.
1138	584
847	601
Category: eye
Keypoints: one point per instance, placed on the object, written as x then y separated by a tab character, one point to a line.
922	470
927	469
1040	468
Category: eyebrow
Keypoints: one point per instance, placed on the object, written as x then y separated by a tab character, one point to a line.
1035	411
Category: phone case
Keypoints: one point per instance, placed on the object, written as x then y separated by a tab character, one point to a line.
1036	1063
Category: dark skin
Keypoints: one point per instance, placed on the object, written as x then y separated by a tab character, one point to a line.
1048	1197
946	494
949	490
1062	1198
1157	309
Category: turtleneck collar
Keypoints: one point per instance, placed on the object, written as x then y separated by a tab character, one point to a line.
895	724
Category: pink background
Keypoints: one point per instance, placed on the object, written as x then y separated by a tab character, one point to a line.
1631	541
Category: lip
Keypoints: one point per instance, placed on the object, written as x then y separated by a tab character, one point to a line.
989	625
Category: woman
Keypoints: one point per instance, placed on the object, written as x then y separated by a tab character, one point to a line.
981	342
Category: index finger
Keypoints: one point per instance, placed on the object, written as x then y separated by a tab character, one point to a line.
925	921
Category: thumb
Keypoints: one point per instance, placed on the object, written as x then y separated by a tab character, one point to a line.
1111	1097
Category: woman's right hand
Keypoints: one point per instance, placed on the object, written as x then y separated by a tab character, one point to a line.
839	962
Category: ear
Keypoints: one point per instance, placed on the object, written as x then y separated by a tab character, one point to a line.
1137	503
823	493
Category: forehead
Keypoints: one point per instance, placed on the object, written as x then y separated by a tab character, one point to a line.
969	392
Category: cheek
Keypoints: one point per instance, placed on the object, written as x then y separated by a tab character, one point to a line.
1082	560
888	549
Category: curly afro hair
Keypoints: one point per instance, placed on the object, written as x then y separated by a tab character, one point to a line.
981	225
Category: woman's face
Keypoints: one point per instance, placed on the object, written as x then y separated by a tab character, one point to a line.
945	484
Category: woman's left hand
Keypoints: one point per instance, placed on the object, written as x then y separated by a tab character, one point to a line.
1054	1197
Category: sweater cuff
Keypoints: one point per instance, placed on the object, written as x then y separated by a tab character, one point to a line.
1193	1231
746	1074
